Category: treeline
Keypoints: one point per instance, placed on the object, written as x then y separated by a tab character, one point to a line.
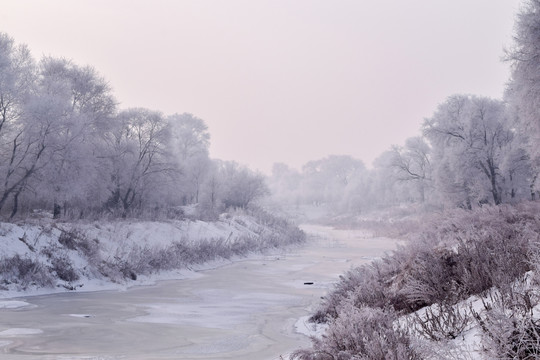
473	151
66	147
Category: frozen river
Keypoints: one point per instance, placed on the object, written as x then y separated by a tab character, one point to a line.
244	310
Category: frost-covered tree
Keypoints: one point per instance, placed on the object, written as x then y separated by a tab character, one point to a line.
411	164
285	184
325	180
139	162
385	189
189	142
520	172
240	186
524	87
86	108
189	135
22	140
469	136
210	202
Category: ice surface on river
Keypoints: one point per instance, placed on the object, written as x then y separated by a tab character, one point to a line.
20	331
13	304
220	309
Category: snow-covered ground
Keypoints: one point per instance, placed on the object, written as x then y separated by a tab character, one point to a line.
93	256
252	308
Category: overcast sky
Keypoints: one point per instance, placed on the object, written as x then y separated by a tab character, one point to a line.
281	80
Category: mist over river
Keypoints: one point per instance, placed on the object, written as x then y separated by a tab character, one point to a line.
248	309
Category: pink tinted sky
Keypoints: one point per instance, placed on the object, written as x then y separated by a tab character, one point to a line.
281	80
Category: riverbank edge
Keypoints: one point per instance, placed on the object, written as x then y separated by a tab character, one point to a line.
171	250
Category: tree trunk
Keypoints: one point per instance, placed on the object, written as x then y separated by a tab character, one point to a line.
533	193
15	203
57	210
491	173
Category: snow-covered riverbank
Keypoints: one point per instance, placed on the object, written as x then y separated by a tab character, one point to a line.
45	256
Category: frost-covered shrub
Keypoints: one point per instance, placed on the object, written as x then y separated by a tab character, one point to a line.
367	285
117	269
24	272
142	260
428	275
441	322
407	280
466	253
402	280
63	268
212	249
75	239
361	333
67	239
90	249
507	337
497	250
509	327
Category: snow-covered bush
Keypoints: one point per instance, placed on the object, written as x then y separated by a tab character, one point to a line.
441	322
75	239
361	333
368	285
24	272
510	329
63	268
